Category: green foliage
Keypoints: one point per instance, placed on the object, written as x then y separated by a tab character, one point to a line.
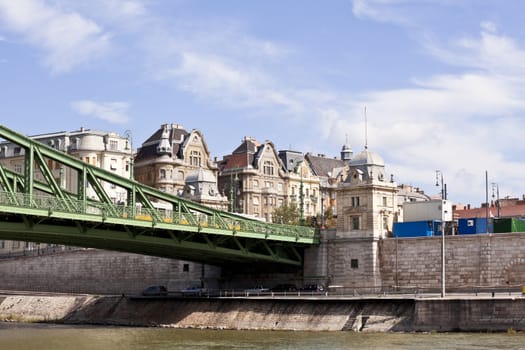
287	214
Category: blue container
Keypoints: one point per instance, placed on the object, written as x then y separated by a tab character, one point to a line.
474	226
426	228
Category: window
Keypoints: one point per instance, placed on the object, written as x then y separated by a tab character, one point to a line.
113	164
384	201
180	175
268	167
127	166
195	158
280	186
18	168
256	200
113	145
355	202
2	244
355	222
354	263
17	150
162	174
255	184
186	268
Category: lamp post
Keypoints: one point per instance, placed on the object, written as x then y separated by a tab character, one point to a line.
439	176
129	146
232	192
323	196
301	201
496	186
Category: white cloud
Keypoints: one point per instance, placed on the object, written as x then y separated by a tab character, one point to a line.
113	112
380	10
67	38
491	52
462	124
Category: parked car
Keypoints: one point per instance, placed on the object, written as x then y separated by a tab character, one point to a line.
312	288
284	287
257	290
194	291
155	291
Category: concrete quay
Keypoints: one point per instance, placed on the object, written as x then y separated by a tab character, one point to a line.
482	313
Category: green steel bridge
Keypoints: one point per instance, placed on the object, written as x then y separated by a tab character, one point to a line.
35	207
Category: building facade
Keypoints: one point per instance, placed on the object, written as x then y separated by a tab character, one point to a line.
331	172
254	179
171	157
302	185
367	199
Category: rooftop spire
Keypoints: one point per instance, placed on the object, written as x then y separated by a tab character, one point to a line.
366	131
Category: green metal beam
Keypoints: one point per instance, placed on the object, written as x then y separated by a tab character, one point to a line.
83	235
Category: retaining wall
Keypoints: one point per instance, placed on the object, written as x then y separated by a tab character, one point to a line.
368	315
472	262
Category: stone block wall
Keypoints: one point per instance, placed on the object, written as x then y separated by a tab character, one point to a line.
100	272
353	265
472	261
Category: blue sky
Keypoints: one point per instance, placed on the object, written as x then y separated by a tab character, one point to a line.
443	81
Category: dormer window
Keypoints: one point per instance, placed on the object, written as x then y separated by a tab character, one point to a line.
195	158
268	168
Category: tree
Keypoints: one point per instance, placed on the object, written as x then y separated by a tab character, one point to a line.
287	214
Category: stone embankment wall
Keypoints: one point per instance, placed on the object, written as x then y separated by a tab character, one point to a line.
99	272
472	262
366	315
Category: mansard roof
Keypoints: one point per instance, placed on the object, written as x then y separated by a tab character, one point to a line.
177	135
323	166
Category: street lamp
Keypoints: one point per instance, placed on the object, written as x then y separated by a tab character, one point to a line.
439	176
496	186
301	201
323	197
129	146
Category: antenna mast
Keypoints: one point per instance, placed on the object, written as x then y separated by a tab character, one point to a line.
366	131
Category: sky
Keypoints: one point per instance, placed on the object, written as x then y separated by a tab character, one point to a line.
427	84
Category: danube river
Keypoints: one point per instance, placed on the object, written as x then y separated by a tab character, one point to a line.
58	337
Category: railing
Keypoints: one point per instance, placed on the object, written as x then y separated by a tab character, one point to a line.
196	219
355	293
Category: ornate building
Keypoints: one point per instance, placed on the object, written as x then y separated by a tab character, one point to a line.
253	178
171	157
331	173
302	184
367	199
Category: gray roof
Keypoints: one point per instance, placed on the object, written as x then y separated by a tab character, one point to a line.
367	157
322	166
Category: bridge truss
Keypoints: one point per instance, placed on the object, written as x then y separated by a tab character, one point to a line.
36	207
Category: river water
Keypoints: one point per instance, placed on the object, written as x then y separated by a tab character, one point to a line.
59	337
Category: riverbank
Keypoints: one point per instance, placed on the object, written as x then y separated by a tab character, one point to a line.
360	315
